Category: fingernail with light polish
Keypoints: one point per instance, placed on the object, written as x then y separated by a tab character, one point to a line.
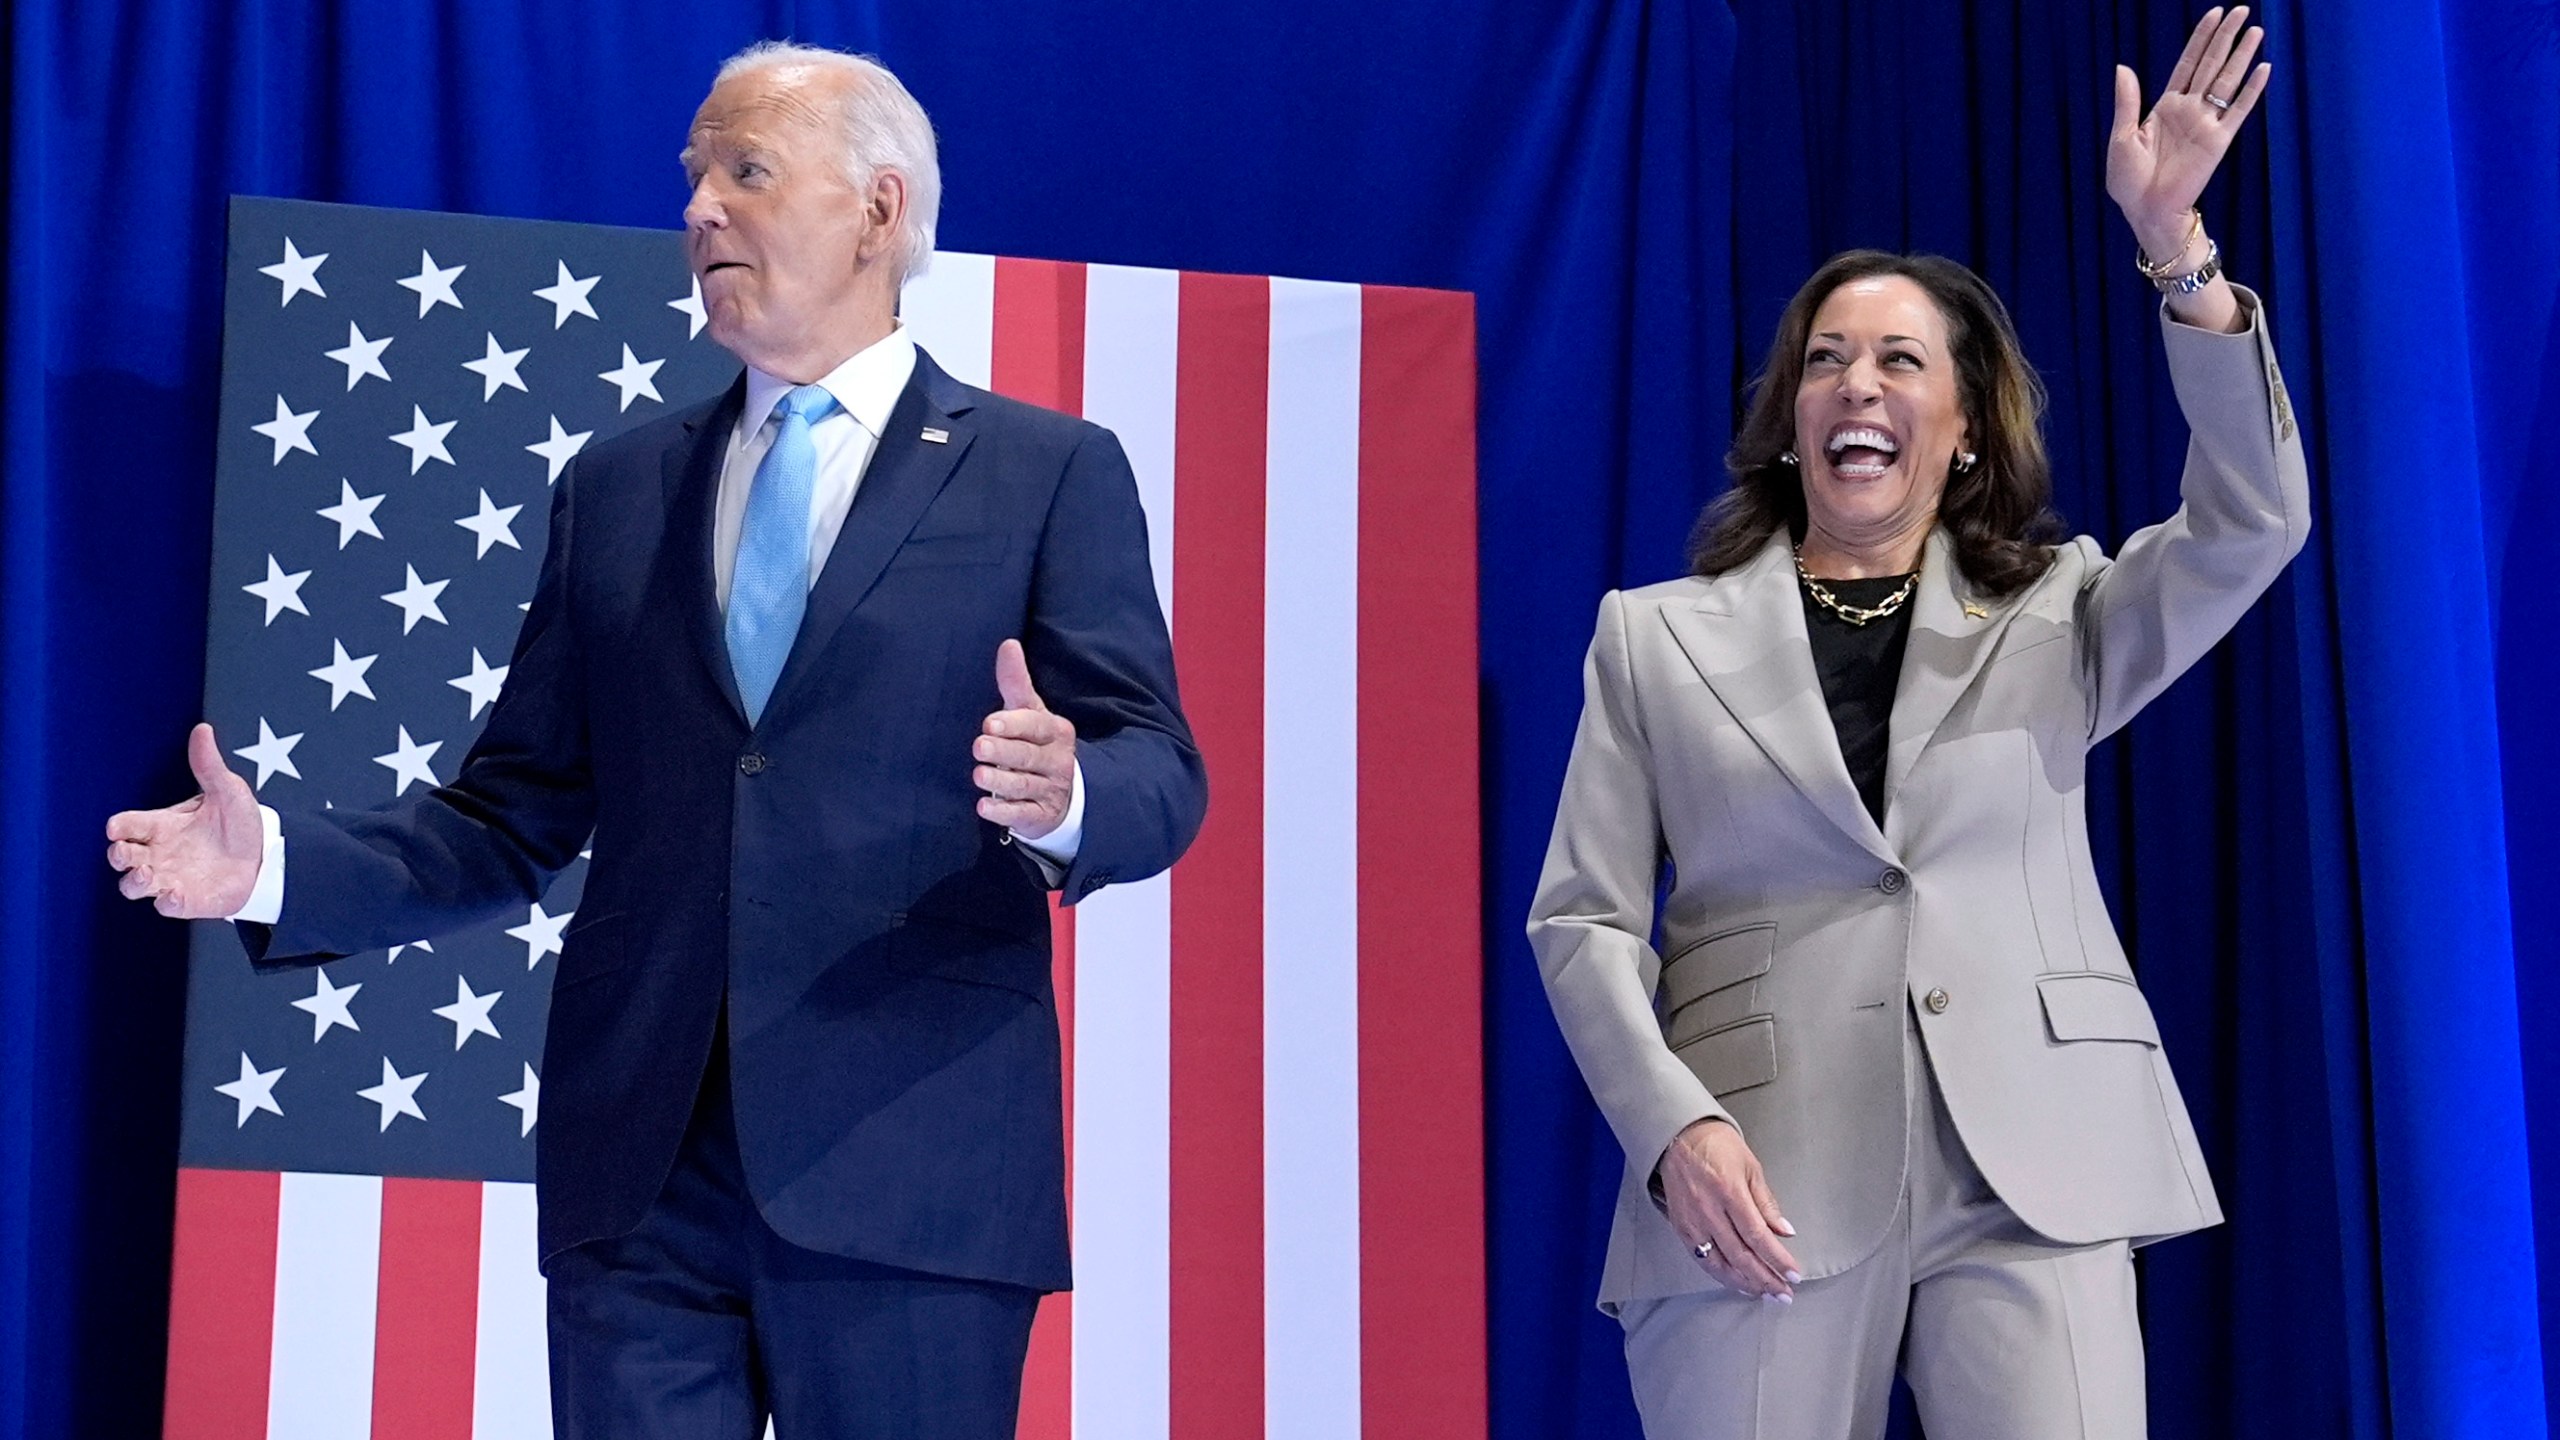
1794	1279
1784	1227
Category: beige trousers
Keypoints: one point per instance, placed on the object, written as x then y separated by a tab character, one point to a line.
2002	1334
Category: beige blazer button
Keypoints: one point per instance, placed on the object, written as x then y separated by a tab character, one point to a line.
1892	881
1937	1002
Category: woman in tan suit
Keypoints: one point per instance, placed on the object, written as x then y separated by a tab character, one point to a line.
1890	1095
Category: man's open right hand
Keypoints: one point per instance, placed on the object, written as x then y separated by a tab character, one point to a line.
196	860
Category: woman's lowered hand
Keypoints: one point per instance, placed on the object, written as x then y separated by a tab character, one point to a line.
1719	1201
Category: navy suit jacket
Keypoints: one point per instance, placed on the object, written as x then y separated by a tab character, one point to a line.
883	952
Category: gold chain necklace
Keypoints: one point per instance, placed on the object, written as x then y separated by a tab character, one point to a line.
1854	614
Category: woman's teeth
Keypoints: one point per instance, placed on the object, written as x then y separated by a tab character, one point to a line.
1861	454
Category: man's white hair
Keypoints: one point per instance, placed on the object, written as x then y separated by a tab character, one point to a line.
883	129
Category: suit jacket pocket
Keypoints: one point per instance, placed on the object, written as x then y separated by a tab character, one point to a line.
2094	1005
590	950
947	949
1735	1057
1712	967
964	548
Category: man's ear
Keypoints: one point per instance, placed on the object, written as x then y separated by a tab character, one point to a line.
886	208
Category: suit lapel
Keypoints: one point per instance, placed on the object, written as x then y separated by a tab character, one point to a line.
1746	636
692	477
906	472
1953	632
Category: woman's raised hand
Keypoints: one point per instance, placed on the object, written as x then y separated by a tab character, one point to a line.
2158	164
1716	1197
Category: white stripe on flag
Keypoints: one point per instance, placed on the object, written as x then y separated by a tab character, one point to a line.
1311	871
951	311
511	1390
1122	1371
1132	321
1122	1368
328	1272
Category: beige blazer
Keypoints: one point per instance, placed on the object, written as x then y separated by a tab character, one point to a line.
1797	935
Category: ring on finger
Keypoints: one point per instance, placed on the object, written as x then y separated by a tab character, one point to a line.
2216	101
1703	1249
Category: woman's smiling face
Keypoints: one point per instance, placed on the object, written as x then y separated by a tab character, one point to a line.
1879	412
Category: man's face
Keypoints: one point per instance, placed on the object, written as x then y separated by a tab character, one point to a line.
785	247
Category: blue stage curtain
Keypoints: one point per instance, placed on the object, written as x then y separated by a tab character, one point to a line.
2306	842
2433	136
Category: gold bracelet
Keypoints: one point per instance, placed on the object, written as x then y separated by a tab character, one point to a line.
2194	280
2157	270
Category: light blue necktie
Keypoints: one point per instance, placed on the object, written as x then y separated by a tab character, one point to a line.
769	585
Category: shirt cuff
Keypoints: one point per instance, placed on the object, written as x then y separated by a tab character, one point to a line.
1055	852
266	898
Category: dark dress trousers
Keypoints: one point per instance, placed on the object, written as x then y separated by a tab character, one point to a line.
881	952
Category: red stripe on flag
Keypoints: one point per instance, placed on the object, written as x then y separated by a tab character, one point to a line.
1039	358
1048	1373
222	1293
1221	401
427	1314
1039	333
1422	1271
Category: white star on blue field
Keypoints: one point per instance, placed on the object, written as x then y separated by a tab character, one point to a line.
401	394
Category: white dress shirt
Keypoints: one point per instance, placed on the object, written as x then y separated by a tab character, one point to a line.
866	388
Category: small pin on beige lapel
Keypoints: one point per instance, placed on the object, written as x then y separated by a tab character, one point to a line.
1973	611
936	437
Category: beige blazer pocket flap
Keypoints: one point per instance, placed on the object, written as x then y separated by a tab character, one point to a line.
1724	959
1736	1057
2092	1005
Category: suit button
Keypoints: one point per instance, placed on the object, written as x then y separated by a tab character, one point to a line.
1937	1002
1892	881
751	764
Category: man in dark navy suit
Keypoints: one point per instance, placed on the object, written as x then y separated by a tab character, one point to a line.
842	671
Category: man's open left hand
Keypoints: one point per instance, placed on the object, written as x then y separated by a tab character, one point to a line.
1026	755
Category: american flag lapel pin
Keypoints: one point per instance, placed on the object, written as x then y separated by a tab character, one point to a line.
936	437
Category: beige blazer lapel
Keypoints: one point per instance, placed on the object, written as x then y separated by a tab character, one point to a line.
1747	639
1954	629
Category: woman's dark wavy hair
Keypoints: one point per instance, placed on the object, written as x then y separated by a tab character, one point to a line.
1999	514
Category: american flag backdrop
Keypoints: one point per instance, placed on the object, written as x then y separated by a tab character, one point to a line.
1273	1052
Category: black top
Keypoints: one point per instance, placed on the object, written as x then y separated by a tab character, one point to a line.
1861	667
